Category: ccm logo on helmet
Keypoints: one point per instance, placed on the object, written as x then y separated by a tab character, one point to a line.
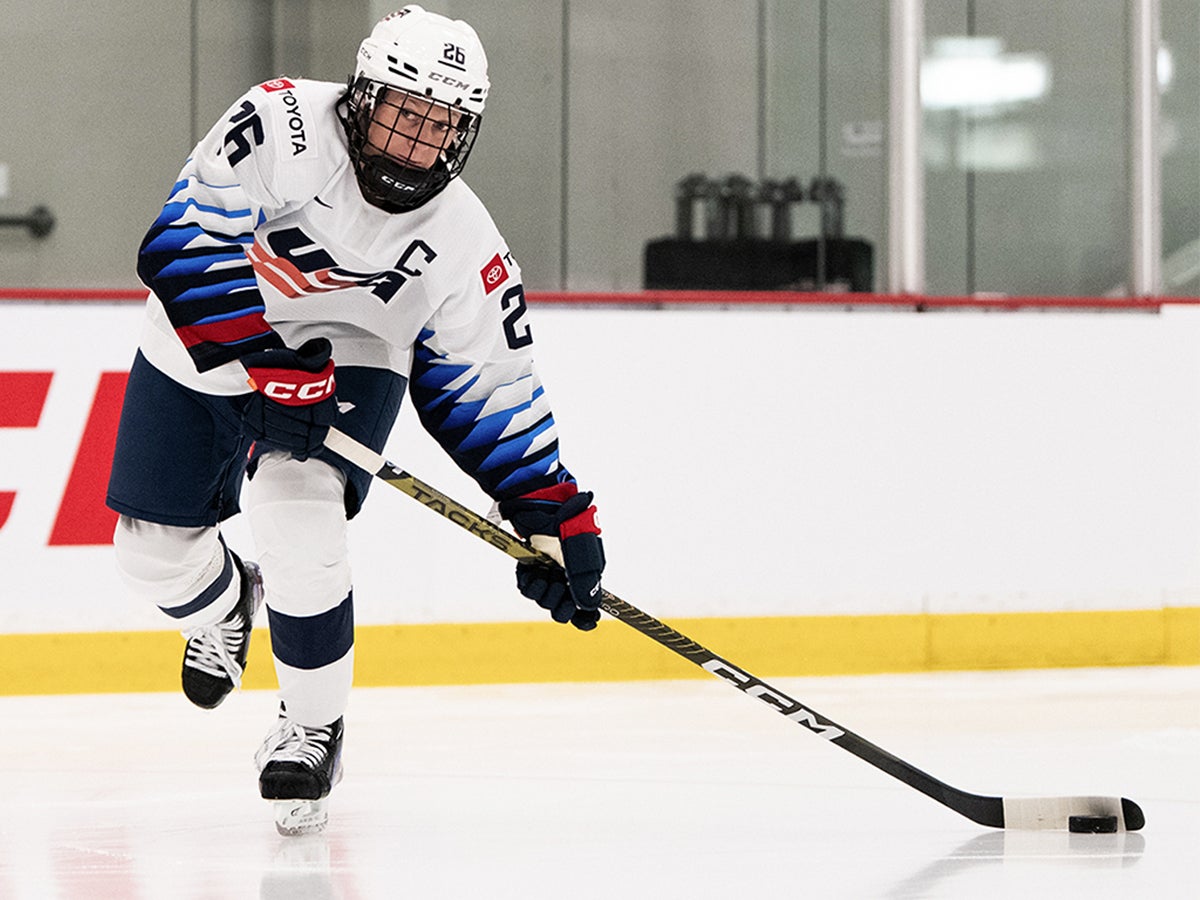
306	392
449	80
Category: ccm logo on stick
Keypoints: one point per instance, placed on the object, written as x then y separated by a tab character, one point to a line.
748	684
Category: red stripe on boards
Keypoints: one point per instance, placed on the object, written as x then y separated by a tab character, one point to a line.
23	396
83	518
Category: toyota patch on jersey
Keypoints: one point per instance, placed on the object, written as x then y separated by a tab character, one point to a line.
493	274
276	84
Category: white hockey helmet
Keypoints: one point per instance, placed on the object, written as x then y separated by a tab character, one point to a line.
409	54
429	55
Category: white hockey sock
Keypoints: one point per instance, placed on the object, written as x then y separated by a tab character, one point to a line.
186	572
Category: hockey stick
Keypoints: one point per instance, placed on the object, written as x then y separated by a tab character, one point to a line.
997	812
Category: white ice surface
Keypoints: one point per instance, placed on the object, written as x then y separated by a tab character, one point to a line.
646	790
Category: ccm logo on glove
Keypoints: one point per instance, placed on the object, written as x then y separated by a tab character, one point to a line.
282	386
293	403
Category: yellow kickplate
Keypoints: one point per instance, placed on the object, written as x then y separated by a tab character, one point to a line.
499	652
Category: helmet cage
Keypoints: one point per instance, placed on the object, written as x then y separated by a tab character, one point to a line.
405	148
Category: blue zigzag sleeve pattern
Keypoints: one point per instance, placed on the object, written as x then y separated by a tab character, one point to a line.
502	435
194	260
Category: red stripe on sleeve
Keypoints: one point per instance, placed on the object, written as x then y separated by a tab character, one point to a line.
227	331
557	492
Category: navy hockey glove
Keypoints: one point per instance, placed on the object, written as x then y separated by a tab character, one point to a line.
561	521
293	404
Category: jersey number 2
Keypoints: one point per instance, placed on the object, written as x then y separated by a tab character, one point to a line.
514	297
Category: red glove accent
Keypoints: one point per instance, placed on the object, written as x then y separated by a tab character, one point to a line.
581	523
292	387
584	523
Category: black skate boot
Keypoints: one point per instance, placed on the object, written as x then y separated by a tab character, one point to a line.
215	656
298	767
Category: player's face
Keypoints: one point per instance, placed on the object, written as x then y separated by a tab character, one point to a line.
410	130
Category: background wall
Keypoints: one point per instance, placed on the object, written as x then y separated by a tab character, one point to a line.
770	463
599	109
101	103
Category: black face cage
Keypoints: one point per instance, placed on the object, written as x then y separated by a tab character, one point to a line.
389	173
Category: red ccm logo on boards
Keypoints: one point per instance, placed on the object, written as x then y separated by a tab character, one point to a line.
82	517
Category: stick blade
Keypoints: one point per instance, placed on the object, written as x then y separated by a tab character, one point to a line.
1053	813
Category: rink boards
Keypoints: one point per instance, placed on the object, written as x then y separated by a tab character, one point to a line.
808	492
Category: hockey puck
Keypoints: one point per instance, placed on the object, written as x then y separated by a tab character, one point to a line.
1092	824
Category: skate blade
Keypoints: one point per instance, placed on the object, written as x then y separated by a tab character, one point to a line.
294	817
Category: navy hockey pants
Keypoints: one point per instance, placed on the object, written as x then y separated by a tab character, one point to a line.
181	455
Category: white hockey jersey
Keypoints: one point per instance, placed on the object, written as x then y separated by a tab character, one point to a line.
266	241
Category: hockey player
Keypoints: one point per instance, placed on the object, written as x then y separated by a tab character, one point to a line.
318	224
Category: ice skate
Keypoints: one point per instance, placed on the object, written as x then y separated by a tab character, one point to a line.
298	767
215	656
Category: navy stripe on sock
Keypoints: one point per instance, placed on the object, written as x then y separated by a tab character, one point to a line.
309	642
207	596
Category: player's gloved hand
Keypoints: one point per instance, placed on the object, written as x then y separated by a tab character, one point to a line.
561	521
293	403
